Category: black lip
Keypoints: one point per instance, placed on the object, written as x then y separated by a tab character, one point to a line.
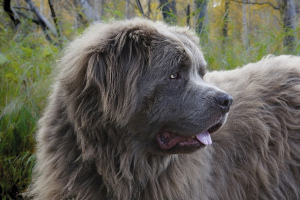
215	127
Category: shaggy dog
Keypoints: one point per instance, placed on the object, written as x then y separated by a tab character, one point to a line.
134	115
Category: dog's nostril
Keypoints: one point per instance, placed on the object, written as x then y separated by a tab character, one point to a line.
225	101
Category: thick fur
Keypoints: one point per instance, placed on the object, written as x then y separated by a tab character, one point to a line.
95	138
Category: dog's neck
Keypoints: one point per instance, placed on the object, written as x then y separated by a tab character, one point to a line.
136	175
123	171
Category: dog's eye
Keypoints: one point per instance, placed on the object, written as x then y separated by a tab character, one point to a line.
174	76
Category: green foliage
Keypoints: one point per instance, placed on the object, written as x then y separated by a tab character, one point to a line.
228	53
3	59
118	14
26	60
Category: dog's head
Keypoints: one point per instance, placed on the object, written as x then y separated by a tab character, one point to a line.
140	83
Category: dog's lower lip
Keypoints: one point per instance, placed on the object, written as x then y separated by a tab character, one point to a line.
215	128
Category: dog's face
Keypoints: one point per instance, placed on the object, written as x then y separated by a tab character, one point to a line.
176	110
146	79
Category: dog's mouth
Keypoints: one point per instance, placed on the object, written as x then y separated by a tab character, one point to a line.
172	141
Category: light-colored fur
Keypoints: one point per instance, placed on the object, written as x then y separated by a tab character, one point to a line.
257	152
255	155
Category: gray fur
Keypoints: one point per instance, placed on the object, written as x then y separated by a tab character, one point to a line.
113	94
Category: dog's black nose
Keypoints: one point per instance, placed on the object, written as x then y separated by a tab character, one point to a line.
224	100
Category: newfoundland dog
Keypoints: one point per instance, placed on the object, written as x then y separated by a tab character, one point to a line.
135	115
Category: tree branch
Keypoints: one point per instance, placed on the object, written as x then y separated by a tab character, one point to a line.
24	8
53	14
140	7
26	17
37	22
257	3
7	8
45	24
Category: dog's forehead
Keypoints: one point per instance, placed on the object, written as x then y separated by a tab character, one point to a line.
193	52
187	42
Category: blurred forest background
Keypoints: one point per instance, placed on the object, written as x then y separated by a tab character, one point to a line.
33	32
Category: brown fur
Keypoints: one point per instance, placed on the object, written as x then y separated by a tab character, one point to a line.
85	150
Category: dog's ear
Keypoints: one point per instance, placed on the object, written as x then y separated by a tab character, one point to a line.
130	46
120	57
130	55
106	84
96	71
116	70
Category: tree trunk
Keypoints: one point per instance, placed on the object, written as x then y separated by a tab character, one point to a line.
169	11
289	24
149	8
188	15
41	6
101	8
225	25
80	17
201	6
87	9
245	27
129	12
98	5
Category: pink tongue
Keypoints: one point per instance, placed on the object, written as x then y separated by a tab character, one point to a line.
204	138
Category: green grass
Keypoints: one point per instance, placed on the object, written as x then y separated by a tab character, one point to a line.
26	62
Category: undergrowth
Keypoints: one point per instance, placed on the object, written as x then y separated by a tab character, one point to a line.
26	61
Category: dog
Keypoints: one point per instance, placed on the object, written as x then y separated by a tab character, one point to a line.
134	114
